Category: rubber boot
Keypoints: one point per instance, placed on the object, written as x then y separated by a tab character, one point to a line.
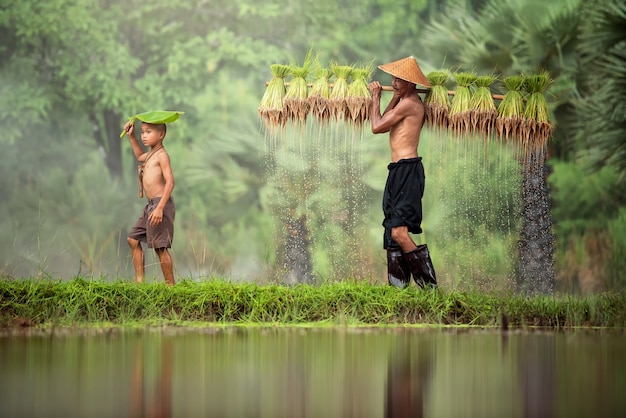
421	266
398	271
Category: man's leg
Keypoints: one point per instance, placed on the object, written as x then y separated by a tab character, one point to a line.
421	266
400	234
398	272
167	266
418	258
138	261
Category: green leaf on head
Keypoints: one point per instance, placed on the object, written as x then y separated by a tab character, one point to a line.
156	117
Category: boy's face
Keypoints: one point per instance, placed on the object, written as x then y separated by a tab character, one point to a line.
151	135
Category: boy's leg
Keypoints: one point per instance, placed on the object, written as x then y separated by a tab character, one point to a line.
167	266
138	258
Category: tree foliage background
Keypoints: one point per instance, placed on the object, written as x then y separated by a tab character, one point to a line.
71	71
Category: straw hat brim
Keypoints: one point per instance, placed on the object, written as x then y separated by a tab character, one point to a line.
406	69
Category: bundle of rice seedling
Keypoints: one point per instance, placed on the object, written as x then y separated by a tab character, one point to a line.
319	94
296	99
271	108
483	111
511	109
459	115
437	100
337	101
359	99
537	128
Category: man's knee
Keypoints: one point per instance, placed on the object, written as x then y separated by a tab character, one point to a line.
399	234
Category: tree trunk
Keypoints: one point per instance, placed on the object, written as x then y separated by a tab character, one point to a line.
536	244
296	252
107	135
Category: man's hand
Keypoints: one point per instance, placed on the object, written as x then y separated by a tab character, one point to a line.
156	216
375	88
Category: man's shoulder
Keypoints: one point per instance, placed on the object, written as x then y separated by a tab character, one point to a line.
411	104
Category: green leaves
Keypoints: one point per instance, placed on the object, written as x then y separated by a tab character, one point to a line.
156	117
159	116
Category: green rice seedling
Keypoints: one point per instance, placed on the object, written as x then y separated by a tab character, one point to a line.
537	128
437	100
359	99
483	112
296	101
511	109
319	95
271	108
339	92
460	105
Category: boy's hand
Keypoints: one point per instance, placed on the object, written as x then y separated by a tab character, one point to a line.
156	216
129	128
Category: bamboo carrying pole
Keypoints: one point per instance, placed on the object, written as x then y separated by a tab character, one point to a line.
389	88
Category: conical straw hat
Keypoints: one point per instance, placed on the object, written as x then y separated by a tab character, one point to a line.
406	69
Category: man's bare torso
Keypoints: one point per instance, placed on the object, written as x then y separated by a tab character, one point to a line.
404	137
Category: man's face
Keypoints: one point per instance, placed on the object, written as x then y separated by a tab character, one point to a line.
399	85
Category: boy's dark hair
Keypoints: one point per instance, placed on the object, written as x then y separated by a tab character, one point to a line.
159	126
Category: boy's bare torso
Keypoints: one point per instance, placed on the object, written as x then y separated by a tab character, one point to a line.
153	180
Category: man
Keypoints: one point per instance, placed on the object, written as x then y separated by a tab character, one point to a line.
402	199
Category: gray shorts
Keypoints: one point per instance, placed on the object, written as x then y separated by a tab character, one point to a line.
159	236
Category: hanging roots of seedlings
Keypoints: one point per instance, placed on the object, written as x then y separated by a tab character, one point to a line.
537	129
337	101
483	112
359	99
437	100
271	108
511	109
297	97
319	95
460	106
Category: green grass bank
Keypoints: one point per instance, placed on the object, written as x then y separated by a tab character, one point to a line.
80	302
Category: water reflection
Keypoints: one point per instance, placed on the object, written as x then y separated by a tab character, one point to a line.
151	398
408	377
537	359
312	372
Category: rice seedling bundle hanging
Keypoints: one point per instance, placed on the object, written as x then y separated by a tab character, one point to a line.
437	100
296	99
319	95
359	99
537	128
460	105
339	92
483	112
271	108
511	109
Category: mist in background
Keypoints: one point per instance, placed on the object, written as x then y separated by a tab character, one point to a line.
73	71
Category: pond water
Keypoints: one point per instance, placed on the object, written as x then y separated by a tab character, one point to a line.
313	372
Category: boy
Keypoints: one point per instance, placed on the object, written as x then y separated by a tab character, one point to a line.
156	224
